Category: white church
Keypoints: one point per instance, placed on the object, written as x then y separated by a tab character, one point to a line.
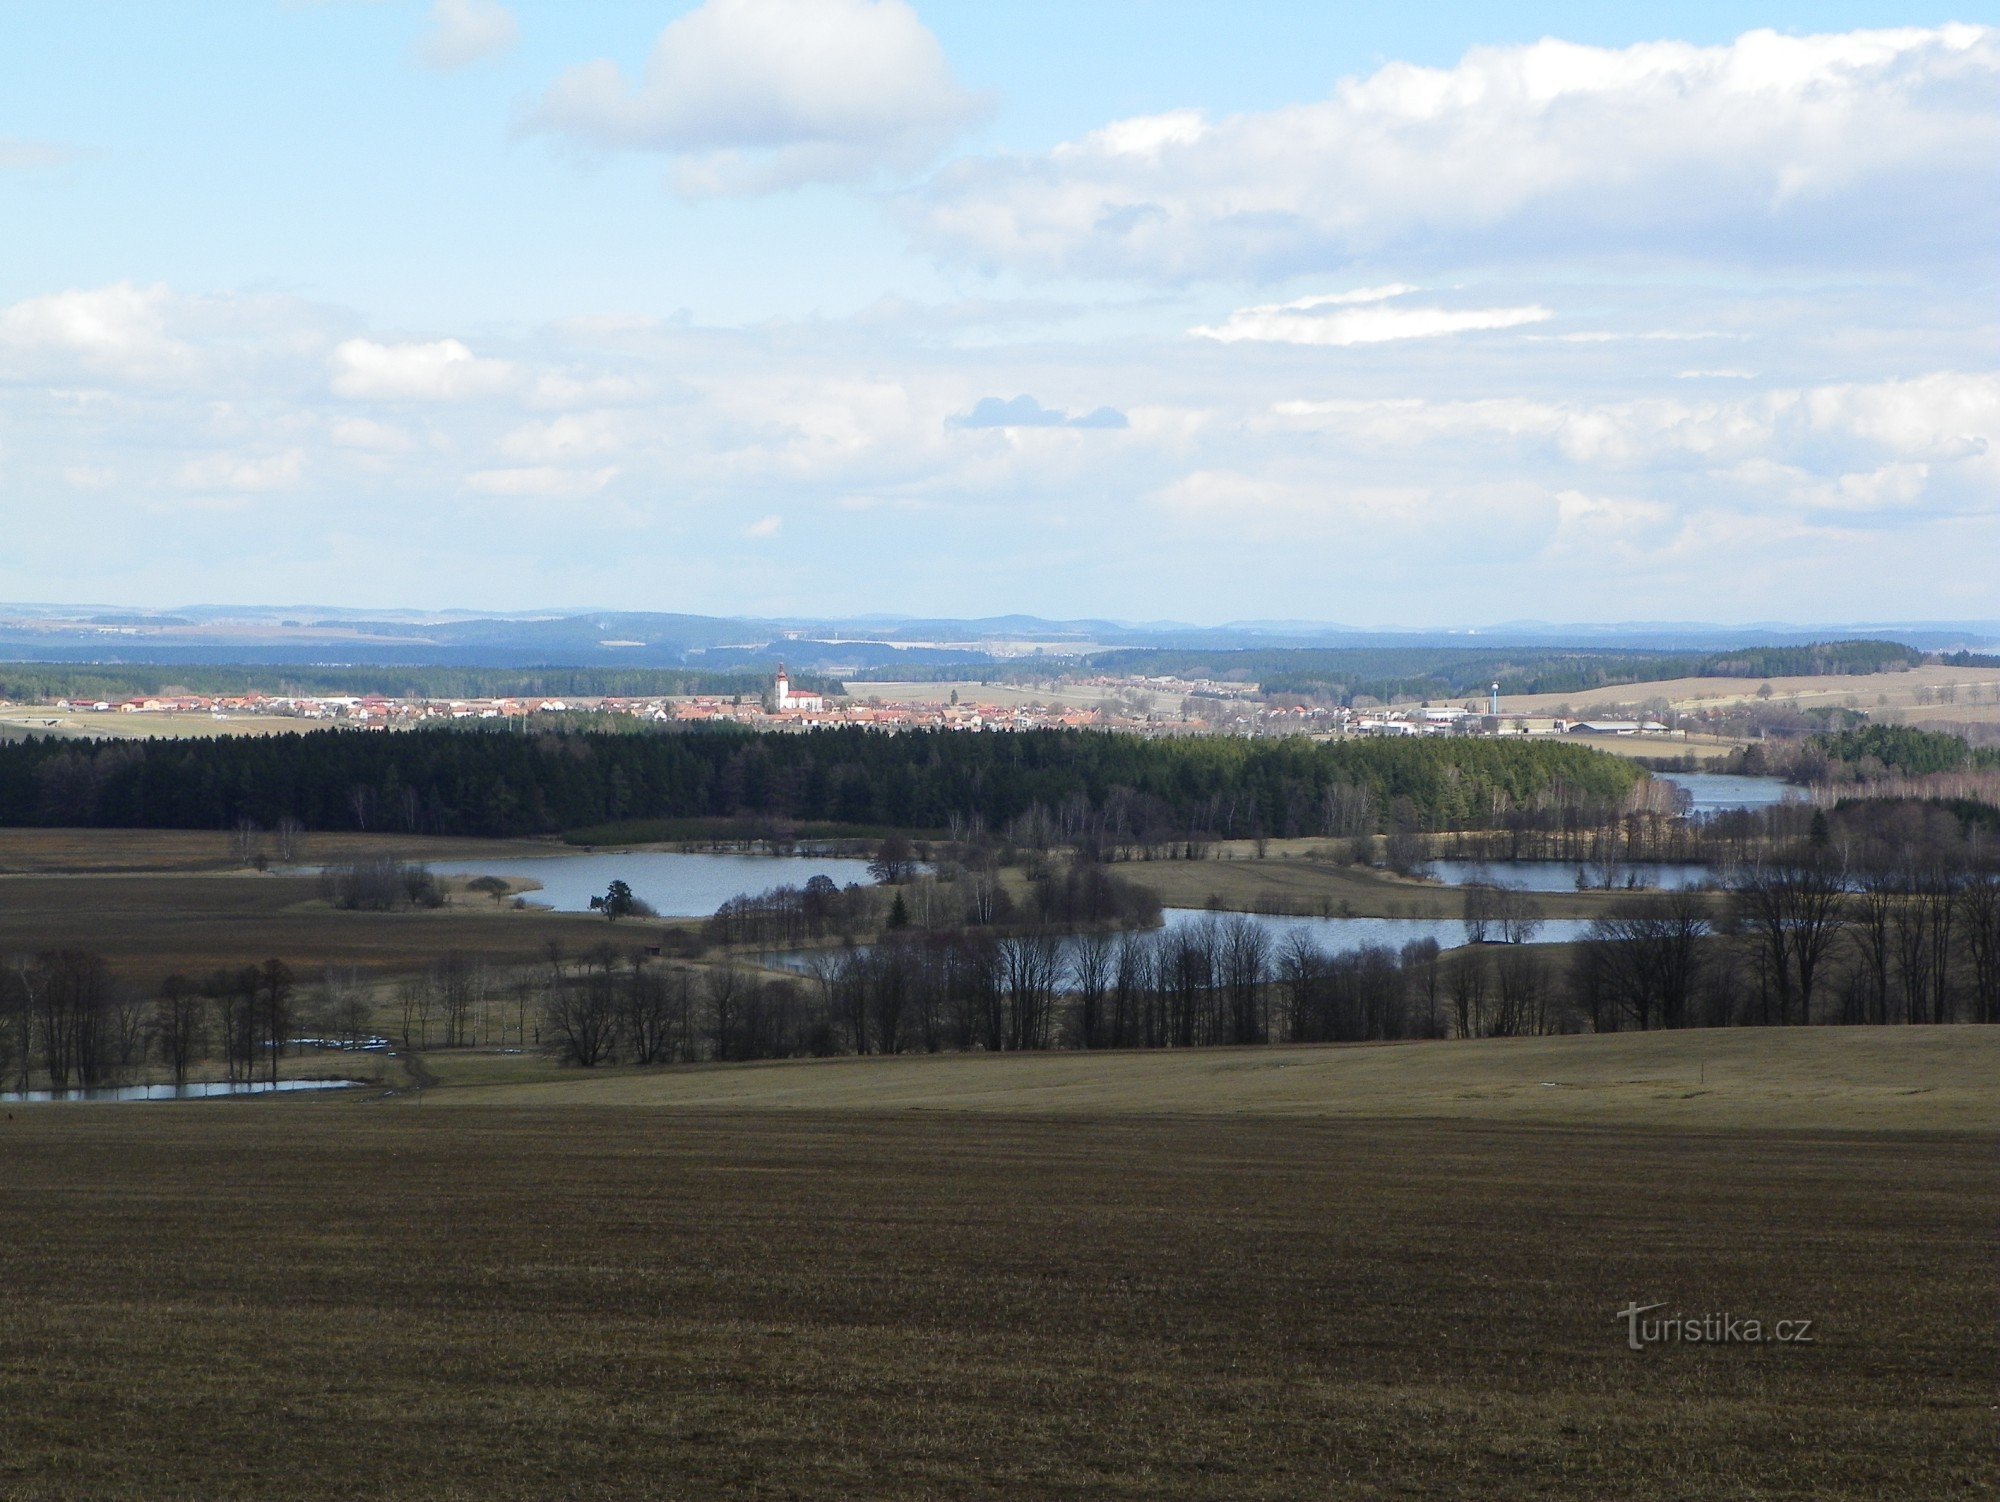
782	697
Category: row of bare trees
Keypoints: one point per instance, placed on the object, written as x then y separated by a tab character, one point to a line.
68	1022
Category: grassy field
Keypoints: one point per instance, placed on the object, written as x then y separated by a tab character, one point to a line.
1297	876
158	901
336	1298
1975	694
147	927
1054	695
52	851
1791	1079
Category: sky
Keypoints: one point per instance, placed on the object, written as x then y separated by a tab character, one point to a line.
1384	315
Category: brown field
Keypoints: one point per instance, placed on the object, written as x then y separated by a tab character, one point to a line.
1789	1079
147	927
1303	879
1005	695
1976	690
158	901
333	1298
139	850
1703	748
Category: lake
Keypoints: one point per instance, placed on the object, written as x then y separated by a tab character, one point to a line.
1345	935
1334	935
1723	792
676	884
1561	876
200	1090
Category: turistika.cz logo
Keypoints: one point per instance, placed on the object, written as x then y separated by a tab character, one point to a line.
1709	1329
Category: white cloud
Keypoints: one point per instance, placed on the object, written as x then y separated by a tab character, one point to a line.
464	32
1584	469
442	371
1363	317
571	436
120	331
1869	148
755	95
546	481
371	436
765	527
1850	447
236	472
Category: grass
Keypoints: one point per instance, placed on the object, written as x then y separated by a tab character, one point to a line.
1791	1079
147	927
704	831
1298	880
66	851
270	1298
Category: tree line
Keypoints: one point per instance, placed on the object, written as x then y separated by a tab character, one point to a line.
44	683
1392	674
65	1014
491	782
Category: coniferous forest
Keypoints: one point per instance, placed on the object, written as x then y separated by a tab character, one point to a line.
490	782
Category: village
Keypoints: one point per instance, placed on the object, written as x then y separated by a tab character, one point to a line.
1153	706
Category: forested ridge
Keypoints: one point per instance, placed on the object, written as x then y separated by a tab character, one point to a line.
43	683
490	782
1396	674
1905	749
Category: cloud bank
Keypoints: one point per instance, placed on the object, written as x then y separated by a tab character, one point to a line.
749	96
1868	149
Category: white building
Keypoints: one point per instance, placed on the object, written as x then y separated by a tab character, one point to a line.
782	697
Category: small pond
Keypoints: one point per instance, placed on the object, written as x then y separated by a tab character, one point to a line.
1723	792
1334	935
676	884
1568	876
201	1090
1345	935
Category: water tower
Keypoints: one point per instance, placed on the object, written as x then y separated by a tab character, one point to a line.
1496	701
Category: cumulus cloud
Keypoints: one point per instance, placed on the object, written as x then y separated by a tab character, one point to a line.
370	436
764	527
541	481
464	32
120	331
750	96
571	436
241	473
1852	446
442	371
1026	412
1860	149
875	444
1363	317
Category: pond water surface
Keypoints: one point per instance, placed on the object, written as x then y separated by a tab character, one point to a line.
676	884
1724	792
1562	876
201	1090
1333	935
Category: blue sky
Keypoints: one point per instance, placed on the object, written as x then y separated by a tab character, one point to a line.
1392	315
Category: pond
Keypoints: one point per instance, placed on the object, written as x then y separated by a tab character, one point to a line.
1333	935
1345	935
1562	876
1724	792
675	884
199	1090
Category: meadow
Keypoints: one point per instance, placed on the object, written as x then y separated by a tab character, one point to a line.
1145	1288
